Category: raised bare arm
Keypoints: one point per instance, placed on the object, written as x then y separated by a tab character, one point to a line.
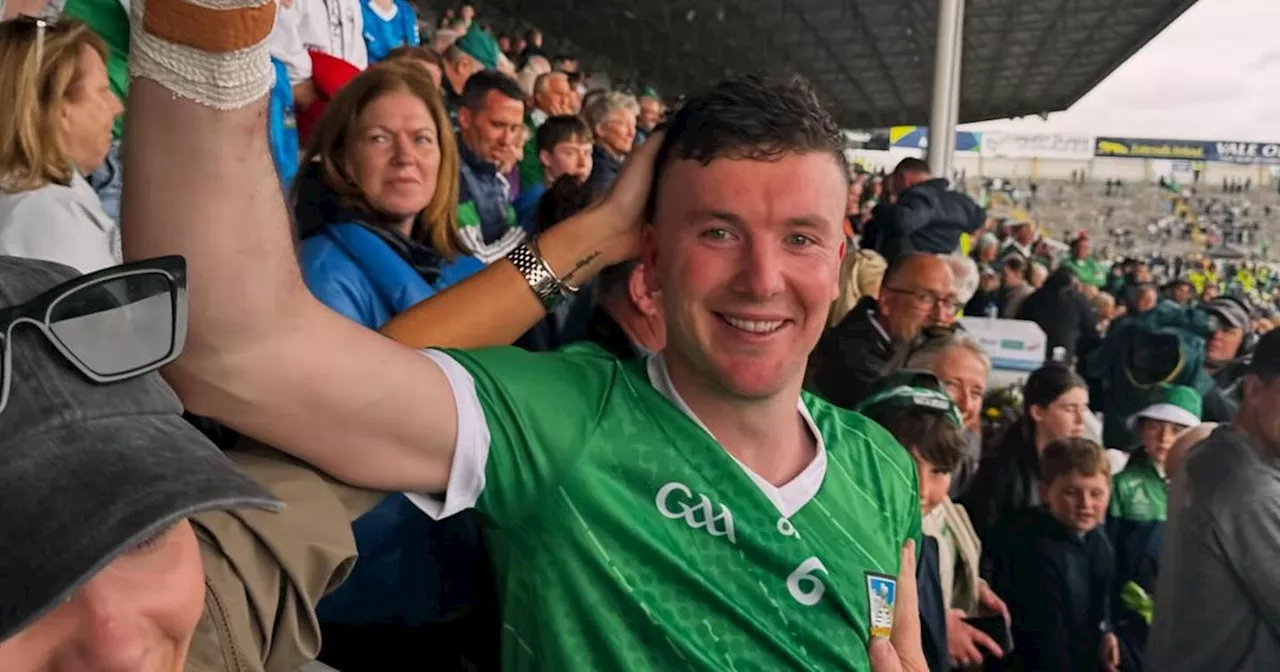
269	360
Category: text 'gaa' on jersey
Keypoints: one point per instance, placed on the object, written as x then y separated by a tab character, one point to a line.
676	501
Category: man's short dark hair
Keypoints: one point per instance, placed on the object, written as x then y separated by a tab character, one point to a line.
911	165
562	128
755	118
929	433
480	84
1016	264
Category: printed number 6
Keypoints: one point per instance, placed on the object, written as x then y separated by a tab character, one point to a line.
804	578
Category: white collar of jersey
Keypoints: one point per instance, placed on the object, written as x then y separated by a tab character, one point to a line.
384	13
788	498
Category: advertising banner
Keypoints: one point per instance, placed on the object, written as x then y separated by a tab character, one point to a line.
1143	148
917	137
1038	146
1267	153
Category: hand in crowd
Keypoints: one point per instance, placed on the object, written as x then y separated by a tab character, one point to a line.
623	207
992	602
1110	654
902	652
965	642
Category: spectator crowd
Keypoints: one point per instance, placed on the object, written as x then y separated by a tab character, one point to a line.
746	423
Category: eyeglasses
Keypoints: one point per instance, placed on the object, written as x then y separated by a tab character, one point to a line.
115	324
922	297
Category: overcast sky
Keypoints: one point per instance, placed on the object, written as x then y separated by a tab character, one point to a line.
1212	75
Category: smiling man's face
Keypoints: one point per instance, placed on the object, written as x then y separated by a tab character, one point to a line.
747	253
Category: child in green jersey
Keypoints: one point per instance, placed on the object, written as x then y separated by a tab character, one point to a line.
1141	489
1138	508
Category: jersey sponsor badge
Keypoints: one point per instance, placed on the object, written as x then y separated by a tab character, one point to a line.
882	593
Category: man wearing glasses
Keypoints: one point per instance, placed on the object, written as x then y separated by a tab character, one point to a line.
916	292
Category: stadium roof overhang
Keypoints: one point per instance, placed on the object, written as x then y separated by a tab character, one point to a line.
871	59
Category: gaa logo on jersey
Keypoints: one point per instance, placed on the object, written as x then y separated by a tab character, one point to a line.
676	501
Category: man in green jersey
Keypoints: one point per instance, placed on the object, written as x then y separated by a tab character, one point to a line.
689	511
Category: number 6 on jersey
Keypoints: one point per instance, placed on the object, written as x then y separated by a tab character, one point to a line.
804	586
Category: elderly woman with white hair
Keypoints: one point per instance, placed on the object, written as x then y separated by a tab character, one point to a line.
964	283
959	362
612	118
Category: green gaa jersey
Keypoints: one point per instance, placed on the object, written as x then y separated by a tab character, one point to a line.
1141	493
626	538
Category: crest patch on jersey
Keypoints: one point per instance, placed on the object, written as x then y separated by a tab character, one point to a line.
882	594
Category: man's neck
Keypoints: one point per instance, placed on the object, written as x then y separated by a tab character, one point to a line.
768	436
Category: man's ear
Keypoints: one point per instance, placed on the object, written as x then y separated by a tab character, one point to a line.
544	157
640	293
465	118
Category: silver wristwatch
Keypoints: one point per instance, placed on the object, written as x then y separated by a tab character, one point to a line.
549	289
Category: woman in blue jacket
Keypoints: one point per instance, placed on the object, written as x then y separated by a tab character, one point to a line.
377	202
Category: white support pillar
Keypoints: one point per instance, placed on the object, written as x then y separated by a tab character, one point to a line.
957	69
946	86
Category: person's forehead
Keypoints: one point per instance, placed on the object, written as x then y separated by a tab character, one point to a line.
1078	480
795	186
959	362
930	273
557	82
496	102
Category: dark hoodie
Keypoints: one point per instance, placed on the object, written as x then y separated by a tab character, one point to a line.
1058	587
1063	313
1006	483
928	217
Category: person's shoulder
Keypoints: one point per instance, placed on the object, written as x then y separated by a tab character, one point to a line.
856	440
320	257
48	207
582	366
1226	468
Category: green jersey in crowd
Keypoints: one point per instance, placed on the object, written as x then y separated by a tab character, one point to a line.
626	538
1141	493
1089	270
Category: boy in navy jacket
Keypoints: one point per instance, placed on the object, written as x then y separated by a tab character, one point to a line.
1057	569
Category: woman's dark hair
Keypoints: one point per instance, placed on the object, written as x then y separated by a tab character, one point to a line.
929	433
1047	383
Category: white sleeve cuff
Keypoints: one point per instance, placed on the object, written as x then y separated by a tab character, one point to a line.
470	455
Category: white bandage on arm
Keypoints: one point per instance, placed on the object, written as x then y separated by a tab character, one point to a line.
212	52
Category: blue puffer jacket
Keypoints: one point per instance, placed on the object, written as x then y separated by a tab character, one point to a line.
411	570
